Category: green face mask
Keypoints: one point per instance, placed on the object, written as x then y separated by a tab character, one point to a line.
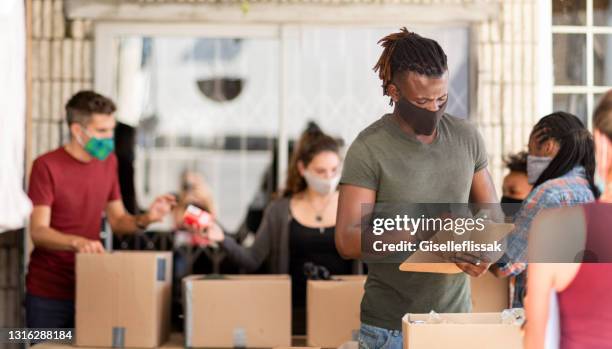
99	148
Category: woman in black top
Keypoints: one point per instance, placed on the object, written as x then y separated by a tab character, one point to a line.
298	228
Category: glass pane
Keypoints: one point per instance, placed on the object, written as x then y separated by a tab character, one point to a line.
602	13
572	103
328	81
569	59
602	56
206	105
569	12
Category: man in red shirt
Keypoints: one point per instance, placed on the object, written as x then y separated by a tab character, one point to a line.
70	188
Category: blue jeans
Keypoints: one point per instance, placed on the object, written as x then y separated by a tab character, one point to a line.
372	337
49	313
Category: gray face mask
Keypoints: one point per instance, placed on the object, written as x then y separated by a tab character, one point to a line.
535	166
322	186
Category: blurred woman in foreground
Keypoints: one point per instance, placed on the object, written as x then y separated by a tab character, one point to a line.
580	233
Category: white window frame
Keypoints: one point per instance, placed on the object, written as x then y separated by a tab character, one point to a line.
590	30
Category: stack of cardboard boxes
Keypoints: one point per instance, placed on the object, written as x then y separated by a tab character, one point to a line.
255	311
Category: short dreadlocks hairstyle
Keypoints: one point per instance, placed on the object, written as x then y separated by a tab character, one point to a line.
408	51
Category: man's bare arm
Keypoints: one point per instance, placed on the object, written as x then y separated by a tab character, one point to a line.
481	192
44	236
122	222
483	189
348	221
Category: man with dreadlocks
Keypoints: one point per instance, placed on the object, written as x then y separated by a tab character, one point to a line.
417	154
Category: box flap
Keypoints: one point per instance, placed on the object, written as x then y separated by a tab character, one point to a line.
460	318
468	330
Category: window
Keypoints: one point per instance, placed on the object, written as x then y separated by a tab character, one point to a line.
218	100
582	54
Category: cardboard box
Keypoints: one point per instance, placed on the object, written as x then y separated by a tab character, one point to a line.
56	345
349	345
175	341
237	311
463	331
490	293
333	307
123	299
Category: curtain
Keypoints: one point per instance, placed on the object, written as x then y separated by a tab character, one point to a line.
14	204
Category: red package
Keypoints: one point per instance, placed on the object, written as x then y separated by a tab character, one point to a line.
197	217
199	240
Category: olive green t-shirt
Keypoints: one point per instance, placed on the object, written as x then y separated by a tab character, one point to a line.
401	169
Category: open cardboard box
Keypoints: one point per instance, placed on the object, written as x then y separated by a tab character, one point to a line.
462	331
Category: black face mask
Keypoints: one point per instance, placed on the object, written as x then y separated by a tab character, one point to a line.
513	205
509	200
422	121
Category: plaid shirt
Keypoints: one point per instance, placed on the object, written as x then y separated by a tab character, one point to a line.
568	190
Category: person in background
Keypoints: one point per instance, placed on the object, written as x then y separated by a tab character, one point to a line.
125	151
561	167
515	189
70	188
298	229
583	289
267	192
516	185
194	191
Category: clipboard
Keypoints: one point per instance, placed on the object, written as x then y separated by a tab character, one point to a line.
434	262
